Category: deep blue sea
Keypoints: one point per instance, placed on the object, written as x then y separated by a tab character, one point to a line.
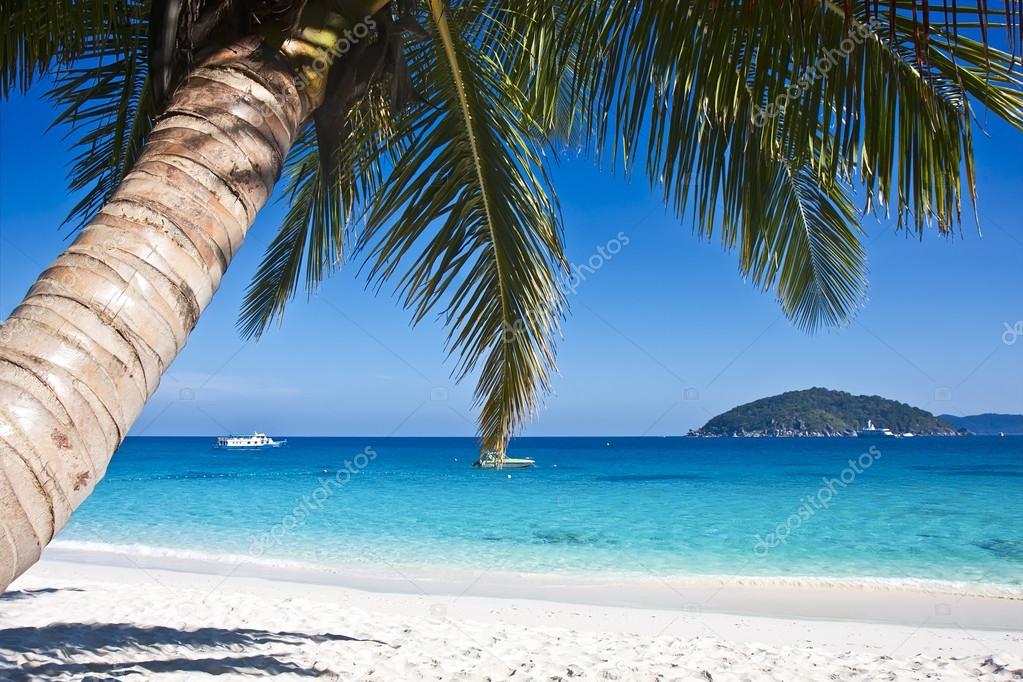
946	509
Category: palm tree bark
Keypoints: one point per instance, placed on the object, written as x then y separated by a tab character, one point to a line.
86	348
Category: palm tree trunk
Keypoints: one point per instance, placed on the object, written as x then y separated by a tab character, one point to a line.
86	348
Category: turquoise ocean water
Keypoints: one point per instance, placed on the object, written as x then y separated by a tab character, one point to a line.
945	509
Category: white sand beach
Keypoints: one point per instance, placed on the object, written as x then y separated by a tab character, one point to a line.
105	617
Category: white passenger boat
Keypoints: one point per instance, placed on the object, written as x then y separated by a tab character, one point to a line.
872	432
256	441
496	460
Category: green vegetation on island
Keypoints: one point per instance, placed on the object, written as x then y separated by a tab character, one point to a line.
822	412
988	424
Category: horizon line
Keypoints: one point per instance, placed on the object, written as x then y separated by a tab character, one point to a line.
681	435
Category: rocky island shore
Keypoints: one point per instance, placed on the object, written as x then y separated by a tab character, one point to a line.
823	413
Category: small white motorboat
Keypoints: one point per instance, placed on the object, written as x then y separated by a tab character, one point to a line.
497	460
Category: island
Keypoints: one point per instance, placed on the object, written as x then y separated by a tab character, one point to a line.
824	412
988	424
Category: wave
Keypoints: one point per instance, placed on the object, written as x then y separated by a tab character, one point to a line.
147	556
95	552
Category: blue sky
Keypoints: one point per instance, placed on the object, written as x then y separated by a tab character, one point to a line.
661	338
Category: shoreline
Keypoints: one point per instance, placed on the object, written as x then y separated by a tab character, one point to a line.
66	620
76	551
860	601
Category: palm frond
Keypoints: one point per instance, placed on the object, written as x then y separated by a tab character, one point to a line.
755	120
808	242
324	201
689	93
105	106
313	206
42	34
467	219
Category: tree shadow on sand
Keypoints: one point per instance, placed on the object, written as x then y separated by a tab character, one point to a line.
15	595
60	646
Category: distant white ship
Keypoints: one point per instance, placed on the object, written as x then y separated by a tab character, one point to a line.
872	432
257	441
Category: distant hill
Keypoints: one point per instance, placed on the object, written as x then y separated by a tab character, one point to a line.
988	424
822	412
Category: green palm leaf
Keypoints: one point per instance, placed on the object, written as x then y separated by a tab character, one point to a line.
107	109
323	207
467	214
460	208
808	242
683	93
42	34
